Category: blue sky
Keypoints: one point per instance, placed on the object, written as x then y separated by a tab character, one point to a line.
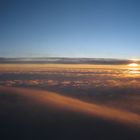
70	28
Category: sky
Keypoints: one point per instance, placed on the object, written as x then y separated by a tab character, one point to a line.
70	28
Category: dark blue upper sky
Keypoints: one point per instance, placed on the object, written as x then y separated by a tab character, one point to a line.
70	28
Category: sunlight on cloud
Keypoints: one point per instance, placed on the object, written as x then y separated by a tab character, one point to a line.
134	68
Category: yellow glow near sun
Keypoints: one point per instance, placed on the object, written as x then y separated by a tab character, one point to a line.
134	60
134	68
133	65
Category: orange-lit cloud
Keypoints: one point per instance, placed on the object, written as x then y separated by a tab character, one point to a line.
61	102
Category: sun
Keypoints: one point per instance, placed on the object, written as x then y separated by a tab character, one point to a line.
133	65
